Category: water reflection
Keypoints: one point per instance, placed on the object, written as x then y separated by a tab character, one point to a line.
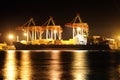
60	65
103	65
66	65
10	67
55	67
80	66
25	69
114	70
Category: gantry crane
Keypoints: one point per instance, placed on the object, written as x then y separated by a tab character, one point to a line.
32	31
80	30
52	31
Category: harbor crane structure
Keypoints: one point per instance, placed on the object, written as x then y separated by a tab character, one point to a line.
53	31
35	33
80	30
32	31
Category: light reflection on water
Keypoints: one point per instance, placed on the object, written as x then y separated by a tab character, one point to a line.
60	65
25	69
80	66
55	67
10	67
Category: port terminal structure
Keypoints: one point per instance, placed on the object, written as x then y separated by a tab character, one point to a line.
53	32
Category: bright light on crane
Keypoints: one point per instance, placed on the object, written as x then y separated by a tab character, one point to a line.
55	31
10	36
25	34
78	28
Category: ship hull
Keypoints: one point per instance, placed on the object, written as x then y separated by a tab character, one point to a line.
20	46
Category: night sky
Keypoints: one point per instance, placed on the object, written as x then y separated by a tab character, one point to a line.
102	16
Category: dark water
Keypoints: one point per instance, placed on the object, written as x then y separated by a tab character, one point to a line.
59	65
